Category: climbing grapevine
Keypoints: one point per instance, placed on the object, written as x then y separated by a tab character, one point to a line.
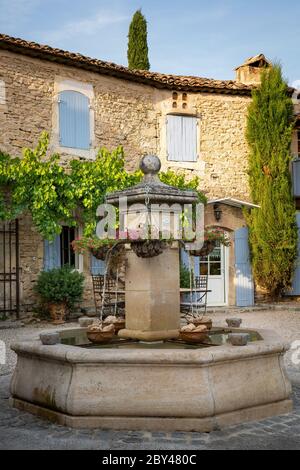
53	195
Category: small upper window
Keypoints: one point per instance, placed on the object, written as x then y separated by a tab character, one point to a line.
182	138
74	120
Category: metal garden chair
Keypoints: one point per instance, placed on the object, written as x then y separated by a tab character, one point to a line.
199	291
112	297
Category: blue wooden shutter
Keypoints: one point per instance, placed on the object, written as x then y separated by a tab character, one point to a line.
182	138
184	259
174	138
243	271
296	279
74	120
52	255
296	177
97	266
189	139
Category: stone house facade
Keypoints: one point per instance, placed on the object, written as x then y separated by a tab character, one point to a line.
193	124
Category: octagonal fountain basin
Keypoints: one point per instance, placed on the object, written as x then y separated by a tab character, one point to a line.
159	386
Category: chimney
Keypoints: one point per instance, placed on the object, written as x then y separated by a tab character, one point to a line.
249	72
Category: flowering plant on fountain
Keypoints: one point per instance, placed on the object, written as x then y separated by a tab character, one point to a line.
98	247
212	237
216	234
105	249
149	242
145	242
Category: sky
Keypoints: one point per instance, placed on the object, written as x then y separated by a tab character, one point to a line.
185	37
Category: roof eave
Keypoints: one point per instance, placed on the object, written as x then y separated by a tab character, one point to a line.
86	64
233	202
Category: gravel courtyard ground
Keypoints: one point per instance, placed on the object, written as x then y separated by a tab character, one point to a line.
20	430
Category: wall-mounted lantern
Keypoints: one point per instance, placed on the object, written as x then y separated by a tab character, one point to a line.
217	212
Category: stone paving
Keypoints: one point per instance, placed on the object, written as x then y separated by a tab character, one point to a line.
19	430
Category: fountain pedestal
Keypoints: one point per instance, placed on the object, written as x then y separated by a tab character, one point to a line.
152	296
152	292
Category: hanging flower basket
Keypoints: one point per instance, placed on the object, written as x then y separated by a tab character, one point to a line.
148	248
115	259
100	252
206	249
212	237
104	250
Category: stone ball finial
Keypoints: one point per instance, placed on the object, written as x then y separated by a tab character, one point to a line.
150	164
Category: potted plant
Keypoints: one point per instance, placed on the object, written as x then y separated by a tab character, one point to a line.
60	289
193	334
118	322
99	333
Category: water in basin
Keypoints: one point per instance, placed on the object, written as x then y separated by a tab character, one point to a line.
215	338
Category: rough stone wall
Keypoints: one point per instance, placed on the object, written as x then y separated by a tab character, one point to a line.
222	147
249	75
123	110
31	251
128	114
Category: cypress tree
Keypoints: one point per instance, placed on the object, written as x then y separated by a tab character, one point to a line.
272	227
137	52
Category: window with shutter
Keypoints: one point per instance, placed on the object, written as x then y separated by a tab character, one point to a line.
59	252
52	254
182	138
74	120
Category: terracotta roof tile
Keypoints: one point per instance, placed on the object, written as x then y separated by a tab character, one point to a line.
158	80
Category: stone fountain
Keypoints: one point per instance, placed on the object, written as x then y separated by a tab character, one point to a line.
152	295
147	379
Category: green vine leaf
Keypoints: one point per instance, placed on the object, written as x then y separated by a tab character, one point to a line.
39	184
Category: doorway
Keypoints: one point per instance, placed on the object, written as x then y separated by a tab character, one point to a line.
216	266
